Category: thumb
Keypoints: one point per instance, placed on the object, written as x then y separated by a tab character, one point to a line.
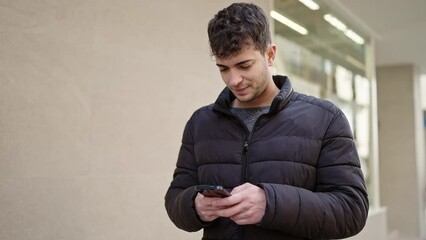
241	188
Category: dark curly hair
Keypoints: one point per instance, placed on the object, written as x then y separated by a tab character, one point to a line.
238	26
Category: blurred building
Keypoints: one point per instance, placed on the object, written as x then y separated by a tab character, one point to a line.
327	53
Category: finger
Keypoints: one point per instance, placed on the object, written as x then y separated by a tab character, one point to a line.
246	217
240	219
207	216
241	188
205	203
228	212
227	202
249	215
204	208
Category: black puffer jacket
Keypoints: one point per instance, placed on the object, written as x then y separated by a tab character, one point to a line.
301	153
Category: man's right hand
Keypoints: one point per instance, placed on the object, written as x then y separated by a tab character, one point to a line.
205	209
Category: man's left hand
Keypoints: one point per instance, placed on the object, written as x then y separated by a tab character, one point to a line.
246	205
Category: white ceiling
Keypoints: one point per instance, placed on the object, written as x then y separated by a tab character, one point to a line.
398	26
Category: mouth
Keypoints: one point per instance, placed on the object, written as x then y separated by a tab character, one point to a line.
241	91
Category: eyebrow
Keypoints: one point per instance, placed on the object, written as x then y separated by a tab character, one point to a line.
238	64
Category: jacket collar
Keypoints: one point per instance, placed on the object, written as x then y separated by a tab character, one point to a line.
223	102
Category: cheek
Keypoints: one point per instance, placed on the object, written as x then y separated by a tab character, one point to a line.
256	75
225	78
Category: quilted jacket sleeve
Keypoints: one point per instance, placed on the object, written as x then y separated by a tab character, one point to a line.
179	199
339	206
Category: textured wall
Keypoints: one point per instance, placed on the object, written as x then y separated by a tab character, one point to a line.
94	96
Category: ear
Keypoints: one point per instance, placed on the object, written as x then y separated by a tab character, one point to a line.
271	52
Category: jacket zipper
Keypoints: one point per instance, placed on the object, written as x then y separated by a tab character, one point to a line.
245	167
244	173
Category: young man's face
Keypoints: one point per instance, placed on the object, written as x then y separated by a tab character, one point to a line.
247	75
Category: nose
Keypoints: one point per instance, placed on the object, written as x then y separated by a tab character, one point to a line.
234	78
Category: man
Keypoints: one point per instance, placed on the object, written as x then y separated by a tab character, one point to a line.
289	159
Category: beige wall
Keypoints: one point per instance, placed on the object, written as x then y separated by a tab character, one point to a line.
94	96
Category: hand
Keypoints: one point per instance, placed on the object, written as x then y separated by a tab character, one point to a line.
246	205
205	209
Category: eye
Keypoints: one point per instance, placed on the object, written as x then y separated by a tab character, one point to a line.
246	66
223	69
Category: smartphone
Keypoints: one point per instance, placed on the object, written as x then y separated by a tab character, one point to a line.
212	191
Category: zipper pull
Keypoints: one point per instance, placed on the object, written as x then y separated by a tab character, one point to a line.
245	147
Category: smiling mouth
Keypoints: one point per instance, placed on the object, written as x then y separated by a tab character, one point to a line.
241	90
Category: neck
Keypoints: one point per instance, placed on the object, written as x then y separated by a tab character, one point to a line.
264	99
